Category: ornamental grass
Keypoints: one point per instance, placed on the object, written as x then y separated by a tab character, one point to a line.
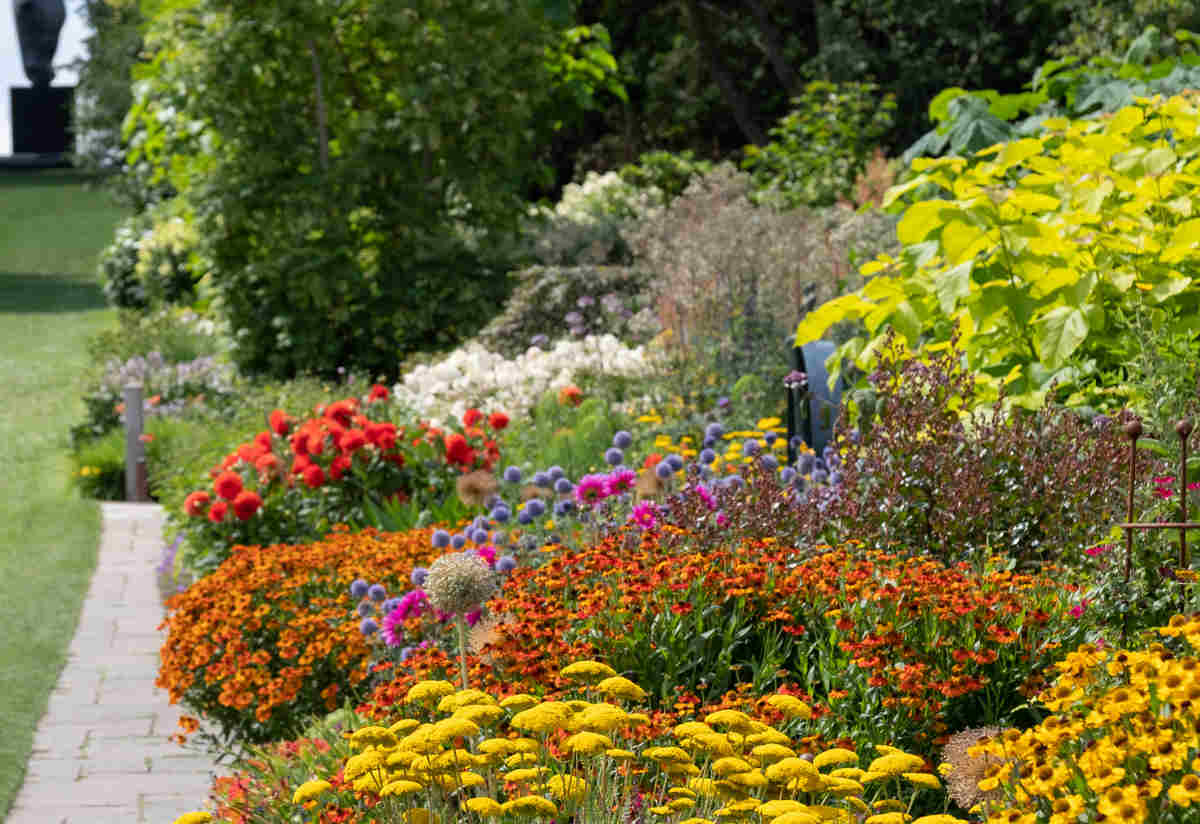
271	636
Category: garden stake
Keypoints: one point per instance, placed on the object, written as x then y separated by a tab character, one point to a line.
1183	429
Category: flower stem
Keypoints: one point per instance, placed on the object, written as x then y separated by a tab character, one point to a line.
461	622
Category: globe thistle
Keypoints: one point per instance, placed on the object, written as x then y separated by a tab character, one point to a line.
734	482
359	588
555	472
751	447
377	593
506	564
441	539
707	456
458	541
525	517
663	470
676	461
563	507
500	515
713	431
542	480
769	462
512	474
364	609
613	456
535	507
368	626
418	576
562	486
787	475
805	463
770	438
459	582
622	440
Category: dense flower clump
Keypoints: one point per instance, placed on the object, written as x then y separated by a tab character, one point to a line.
270	636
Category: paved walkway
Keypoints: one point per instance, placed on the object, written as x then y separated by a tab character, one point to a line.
101	752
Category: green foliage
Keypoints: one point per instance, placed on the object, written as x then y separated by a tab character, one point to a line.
152	261
99	468
1107	28
668	172
104	93
1033	248
822	145
362	166
559	434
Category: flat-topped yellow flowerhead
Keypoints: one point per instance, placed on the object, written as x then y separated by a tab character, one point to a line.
305	792
587	671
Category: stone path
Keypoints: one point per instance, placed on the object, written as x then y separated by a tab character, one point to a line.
101	753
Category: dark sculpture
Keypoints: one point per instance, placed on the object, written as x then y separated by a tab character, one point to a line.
38	25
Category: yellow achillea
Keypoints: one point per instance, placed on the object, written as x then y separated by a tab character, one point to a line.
530	806
373	736
837	755
198	817
618	686
305	792
567	787
791	706
587	671
519	702
587	743
486	807
896	763
428	692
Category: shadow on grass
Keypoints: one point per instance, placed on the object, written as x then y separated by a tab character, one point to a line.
27	294
13	178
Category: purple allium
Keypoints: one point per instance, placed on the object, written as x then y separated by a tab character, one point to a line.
713	431
770	438
751	446
835	478
389	605
769	462
805	463
364	609
500	515
819	476
458	541
525	517
506	564
512	474
377	593
555	472
676	461
535	507
734	481
418	576
542	480
441	539
358	589
562	486
368	627
787	475
663	470
707	456
622	440
613	456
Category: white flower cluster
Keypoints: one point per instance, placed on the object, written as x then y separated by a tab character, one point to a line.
474	377
605	196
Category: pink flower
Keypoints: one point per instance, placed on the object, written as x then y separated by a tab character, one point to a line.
1098	549
706	496
621	481
591	489
644	515
411	605
488	553
1077	611
721	519
393	628
473	617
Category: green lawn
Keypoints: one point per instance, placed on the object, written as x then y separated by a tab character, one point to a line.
51	228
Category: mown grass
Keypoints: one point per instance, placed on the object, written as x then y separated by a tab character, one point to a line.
51	229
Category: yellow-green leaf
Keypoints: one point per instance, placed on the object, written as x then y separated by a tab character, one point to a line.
1017	151
846	307
1033	202
1159	159
962	241
1058	333
952	285
1170	287
920	219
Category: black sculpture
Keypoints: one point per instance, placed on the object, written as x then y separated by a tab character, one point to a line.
39	23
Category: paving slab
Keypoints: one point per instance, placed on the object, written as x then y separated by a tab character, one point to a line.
102	752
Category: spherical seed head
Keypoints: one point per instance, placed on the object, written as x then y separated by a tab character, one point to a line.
1184	427
1133	430
458	541
460	582
512	474
441	538
377	593
622	440
359	588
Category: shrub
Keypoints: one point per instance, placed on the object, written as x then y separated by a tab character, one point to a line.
99	468
270	637
150	262
602	299
819	149
1034	486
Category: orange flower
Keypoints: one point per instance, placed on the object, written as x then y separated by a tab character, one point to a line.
228	485
570	394
196	503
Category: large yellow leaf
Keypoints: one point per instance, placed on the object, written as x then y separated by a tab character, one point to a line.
962	241
1033	201
816	322
921	219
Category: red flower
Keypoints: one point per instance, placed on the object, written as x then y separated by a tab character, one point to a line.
216	513
352	440
378	392
280	422
571	394
652	460
472	417
251	452
458	451
383	435
246	504
339	466
314	476
342	411
228	485
196	503
497	420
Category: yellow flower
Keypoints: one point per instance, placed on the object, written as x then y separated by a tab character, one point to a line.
356	765
199	817
926	780
618	754
771	809
484	806
464	698
940	818
661	754
618	686
703	786
518	702
791	768
567	787
517	759
797	817
772	752
532	806
419	815
601	717
587	743
427	692
837	755
587	671
545	717
696	821
732	719
453	727
767	423
453	781
370	782
404	726
401	786
896	763
305	792
526	774
681	804
497	746
1186	791
751	779
481	714
886	818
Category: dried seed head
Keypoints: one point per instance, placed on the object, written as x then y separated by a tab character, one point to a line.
460	582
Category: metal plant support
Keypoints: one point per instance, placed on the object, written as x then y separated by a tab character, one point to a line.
1133	431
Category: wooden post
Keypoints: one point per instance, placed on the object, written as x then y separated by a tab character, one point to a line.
136	487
